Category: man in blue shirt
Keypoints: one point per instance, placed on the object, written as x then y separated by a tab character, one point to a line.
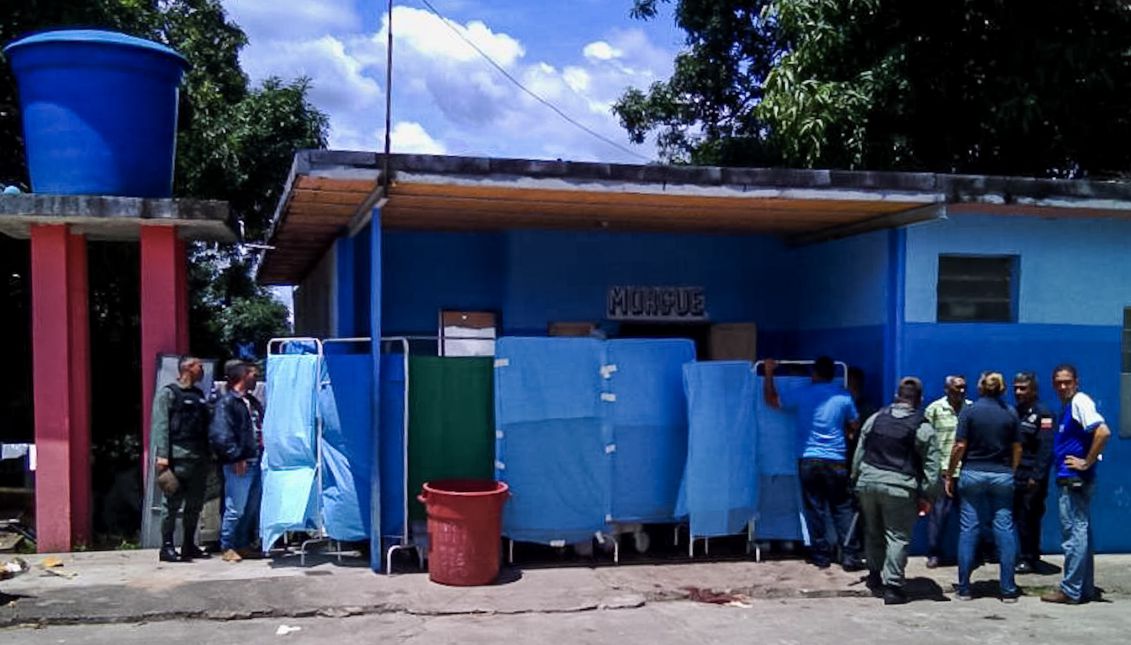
826	415
1081	436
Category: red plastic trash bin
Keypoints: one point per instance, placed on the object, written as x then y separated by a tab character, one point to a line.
464	524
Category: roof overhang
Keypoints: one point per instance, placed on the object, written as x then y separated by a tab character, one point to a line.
331	193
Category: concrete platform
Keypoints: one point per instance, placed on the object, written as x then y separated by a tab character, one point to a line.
131	586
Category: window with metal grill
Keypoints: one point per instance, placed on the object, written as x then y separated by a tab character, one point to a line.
977	288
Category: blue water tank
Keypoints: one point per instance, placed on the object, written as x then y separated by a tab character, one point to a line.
99	112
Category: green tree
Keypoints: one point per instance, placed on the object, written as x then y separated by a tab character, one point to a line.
235	143
979	86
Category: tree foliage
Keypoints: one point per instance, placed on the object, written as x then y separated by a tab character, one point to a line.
980	86
235	142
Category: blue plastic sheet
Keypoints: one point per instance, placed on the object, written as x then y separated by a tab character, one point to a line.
649	426
779	510
301	389
391	442
290	500
719	493
551	438
345	401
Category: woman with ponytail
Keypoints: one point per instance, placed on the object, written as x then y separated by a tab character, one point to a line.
988	445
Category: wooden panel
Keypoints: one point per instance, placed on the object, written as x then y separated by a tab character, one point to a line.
694	202
327	183
635	211
424	218
581	219
340	197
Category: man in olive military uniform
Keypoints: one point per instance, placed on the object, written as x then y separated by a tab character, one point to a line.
895	471
181	415
1031	483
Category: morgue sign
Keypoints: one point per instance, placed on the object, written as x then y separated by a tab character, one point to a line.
656	303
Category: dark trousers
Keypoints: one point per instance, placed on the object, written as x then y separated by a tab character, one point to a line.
828	508
1028	511
937	522
193	477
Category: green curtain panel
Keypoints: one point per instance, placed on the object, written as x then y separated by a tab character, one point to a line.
451	426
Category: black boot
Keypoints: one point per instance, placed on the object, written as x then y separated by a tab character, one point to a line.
875	584
168	553
189	549
895	596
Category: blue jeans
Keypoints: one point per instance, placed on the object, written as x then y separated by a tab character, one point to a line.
986	497
827	503
1076	531
937	523
241	506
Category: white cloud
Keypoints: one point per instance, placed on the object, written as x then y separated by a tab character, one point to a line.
409	136
447	98
423	31
290	19
601	50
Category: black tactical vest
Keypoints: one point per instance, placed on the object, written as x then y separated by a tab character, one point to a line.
188	418
890	444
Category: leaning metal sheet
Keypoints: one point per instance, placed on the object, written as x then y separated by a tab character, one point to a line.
289	457
649	426
719	493
347	445
779	510
551	445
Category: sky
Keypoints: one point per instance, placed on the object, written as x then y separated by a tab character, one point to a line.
579	55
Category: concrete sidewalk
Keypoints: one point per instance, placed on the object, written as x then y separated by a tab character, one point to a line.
131	586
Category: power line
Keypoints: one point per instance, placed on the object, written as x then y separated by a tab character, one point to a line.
529	92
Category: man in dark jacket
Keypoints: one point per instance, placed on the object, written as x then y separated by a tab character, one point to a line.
179	430
234	438
1031	483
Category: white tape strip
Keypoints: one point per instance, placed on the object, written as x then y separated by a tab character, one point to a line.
557	543
500	465
607	371
610	449
609	397
498	434
502	362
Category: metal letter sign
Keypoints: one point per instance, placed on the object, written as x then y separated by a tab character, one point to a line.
656	303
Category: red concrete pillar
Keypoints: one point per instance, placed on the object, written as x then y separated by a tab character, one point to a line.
164	311
61	384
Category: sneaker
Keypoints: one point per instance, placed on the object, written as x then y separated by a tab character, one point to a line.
1009	599
932	562
231	556
193	552
852	565
168	554
963	595
895	596
1059	597
1024	566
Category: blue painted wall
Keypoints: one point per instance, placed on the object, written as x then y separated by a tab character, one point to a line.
426	272
536	277
1071	296
565	275
841	294
1071	271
